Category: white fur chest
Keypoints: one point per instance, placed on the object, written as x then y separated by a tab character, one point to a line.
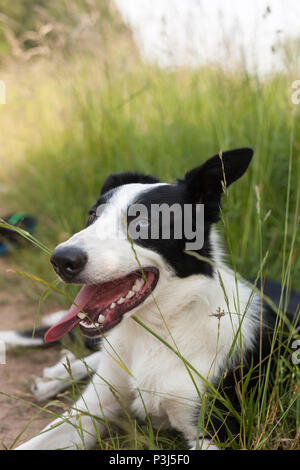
159	379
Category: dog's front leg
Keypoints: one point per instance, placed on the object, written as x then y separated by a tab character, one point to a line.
78	428
57	378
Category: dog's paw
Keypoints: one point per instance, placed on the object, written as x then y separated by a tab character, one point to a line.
44	388
60	370
55	379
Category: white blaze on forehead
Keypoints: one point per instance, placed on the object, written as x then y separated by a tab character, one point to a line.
110	224
105	241
112	220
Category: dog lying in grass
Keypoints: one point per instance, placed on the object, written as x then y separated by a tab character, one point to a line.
182	336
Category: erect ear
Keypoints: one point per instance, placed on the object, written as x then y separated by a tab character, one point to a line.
207	182
118	179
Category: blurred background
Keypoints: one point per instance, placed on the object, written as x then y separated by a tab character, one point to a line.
99	86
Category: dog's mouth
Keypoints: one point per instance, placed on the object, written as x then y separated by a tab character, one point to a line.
98	308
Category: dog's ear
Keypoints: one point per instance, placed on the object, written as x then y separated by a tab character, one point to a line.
118	179
207	182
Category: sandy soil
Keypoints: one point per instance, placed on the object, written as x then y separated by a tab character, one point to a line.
21	365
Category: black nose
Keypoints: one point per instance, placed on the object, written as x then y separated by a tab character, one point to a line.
68	262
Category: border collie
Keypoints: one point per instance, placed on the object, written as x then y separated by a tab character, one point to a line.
177	328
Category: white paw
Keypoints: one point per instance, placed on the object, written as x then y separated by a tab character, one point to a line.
43	388
65	353
59	371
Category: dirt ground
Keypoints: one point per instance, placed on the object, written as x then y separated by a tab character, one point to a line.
21	365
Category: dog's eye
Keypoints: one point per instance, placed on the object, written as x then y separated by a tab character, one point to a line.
92	217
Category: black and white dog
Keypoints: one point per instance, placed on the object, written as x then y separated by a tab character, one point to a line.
139	295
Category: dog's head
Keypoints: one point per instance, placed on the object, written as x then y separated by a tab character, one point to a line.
137	236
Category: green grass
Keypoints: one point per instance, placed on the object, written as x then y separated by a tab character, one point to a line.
141	118
165	123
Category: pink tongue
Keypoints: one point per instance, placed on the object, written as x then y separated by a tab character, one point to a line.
67	323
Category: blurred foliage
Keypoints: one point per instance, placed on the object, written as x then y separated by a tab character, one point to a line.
30	28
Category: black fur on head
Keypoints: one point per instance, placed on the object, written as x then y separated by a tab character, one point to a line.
118	179
202	185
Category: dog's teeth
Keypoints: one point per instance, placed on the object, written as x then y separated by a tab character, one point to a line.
86	325
130	294
101	318
81	315
138	284
121	301
112	305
